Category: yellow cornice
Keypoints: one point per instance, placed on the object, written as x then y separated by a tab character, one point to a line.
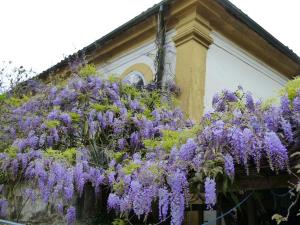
193	28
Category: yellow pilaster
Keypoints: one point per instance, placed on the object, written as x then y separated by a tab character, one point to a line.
192	41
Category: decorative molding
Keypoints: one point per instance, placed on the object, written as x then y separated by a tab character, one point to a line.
142	68
223	43
195	29
134	54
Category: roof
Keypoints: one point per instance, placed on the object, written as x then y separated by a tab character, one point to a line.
227	5
242	17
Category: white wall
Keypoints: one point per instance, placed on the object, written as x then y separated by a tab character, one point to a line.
143	54
229	66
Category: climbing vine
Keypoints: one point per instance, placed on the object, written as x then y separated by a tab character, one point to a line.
135	143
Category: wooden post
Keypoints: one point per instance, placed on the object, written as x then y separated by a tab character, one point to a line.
251	212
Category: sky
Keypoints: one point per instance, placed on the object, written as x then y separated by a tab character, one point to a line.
39	33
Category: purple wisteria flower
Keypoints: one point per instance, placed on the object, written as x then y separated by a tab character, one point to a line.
287	130
276	151
134	140
296	103
125	204
187	151
229	165
164	196
71	215
272	118
60	208
3	207
177	208
53	115
66	118
229	96
249	102
113	201
285	105
30	194
178	184
210	192
95	131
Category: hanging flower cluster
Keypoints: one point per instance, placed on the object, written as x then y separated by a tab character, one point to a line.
65	137
249	131
135	142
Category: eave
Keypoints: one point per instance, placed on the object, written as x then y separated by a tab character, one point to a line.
222	15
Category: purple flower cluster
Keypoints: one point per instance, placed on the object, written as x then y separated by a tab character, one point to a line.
107	123
244	133
276	151
210	192
164	197
3	207
71	215
229	166
178	184
187	151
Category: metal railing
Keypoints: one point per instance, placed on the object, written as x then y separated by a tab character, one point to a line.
9	222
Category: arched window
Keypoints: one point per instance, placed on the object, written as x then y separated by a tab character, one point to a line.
135	78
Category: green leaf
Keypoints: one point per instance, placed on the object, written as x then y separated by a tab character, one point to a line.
75	117
291	88
118	156
130	168
88	70
11	151
68	155
99	107
3	96
52	123
102	108
118	222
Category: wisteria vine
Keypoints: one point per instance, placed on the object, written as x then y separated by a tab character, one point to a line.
58	139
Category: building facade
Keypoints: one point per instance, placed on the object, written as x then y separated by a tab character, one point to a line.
209	45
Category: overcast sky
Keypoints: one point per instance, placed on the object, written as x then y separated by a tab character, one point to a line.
39	33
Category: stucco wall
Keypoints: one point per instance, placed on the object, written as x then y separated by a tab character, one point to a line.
229	66
143	54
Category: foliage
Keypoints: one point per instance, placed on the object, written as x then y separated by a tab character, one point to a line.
171	138
64	137
135	143
291	88
88	70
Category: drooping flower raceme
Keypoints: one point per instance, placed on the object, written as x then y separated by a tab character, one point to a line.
210	192
164	196
276	151
71	215
94	131
229	165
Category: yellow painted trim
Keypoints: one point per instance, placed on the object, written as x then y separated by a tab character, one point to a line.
142	68
192	41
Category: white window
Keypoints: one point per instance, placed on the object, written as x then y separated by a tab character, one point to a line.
135	78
